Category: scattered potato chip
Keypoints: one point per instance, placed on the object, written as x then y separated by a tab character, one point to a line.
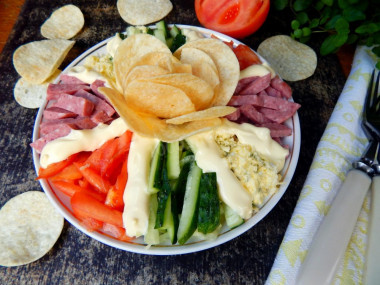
37	61
131	49
210	113
292	60
226	63
151	126
162	100
30	95
142	12
29	227
196	89
63	23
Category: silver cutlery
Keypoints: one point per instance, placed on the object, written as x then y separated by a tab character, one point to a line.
330	242
371	274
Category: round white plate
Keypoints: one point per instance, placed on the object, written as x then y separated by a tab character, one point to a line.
62	203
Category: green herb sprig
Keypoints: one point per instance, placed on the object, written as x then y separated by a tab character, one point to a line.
342	21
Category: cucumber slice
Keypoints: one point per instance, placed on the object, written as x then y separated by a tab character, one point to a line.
169	42
156	165
162	197
133	31
188	220
171	219
180	187
178	41
149	31
159	34
233	220
209	210
161	26
174	31
152	235
172	160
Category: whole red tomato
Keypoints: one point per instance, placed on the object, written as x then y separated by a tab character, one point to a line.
236	18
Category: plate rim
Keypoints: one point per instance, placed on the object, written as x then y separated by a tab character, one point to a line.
170	249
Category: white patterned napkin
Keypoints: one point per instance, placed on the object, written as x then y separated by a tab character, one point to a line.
342	143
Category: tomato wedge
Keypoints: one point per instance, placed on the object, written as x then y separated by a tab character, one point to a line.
246	56
236	18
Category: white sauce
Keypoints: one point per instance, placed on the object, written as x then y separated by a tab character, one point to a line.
87	76
80	140
113	44
191	35
209	158
257	70
136	196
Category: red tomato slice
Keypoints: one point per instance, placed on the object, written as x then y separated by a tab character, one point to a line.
55	168
246	56
236	18
115	232
87	206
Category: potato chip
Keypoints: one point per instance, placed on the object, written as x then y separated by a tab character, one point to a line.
142	12
181	68
202	65
192	55
131	49
292	60
143	71
210	113
63	23
151	126
226	63
30	95
163	60
37	61
162	100
29	227
198	90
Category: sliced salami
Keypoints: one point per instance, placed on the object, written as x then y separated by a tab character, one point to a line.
39	144
77	105
256	86
234	116
94	87
273	92
100	104
53	113
253	114
281	86
55	90
276	115
277	130
244	82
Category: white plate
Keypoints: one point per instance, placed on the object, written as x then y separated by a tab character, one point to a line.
62	203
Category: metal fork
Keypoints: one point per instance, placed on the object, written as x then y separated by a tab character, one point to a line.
372	123
332	238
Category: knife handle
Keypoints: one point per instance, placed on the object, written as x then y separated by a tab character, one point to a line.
330	242
371	271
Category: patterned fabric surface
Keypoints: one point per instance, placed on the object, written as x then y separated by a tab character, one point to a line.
342	143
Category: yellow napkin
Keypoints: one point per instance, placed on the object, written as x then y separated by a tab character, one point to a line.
341	144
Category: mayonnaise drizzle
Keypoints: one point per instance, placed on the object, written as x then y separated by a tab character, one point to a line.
209	158
136	196
80	140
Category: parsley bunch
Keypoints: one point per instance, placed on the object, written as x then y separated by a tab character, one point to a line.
343	22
